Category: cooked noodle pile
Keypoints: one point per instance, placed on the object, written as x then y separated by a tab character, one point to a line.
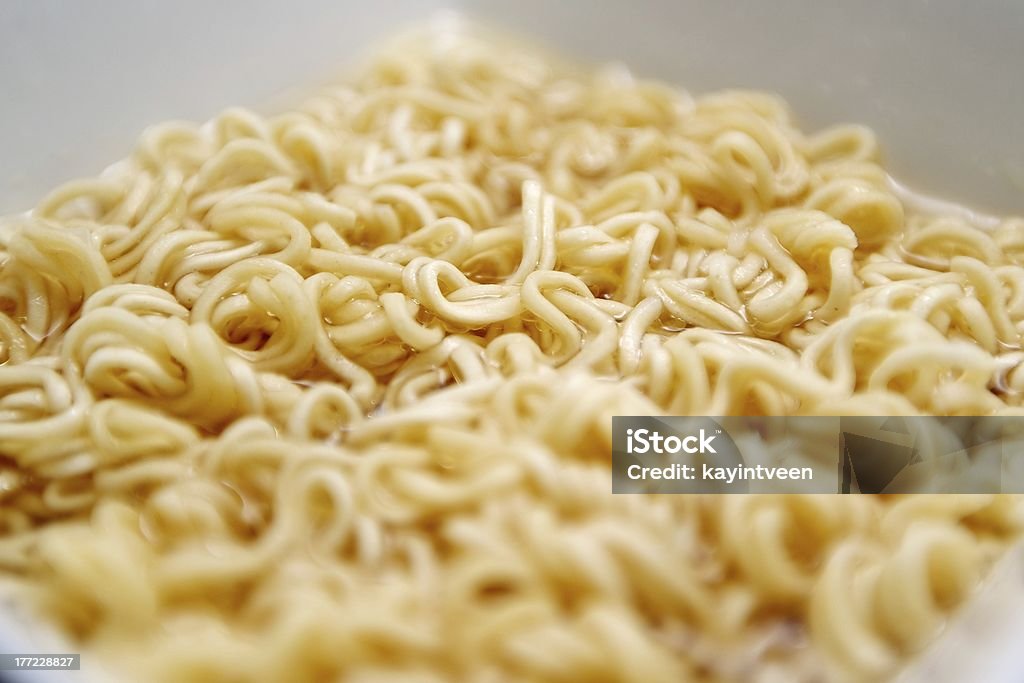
327	395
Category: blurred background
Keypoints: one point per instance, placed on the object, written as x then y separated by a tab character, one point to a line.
938	79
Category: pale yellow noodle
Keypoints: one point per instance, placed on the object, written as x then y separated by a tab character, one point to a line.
326	396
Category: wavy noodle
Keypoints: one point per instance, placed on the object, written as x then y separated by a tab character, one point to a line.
326	395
